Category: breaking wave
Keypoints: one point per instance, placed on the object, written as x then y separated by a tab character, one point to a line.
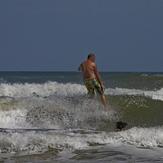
68	89
38	117
35	141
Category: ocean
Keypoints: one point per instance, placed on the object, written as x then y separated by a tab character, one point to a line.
48	117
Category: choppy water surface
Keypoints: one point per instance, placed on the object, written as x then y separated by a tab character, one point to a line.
48	116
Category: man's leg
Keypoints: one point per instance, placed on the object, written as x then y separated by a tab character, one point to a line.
90	88
100	92
103	100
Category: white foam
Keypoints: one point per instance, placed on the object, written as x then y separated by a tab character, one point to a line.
142	137
46	89
40	142
12	119
155	95
68	89
53	112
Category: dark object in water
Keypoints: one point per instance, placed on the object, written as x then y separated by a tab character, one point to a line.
120	125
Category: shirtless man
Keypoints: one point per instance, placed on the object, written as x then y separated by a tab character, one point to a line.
92	78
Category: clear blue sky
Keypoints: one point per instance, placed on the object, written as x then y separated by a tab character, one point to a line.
56	35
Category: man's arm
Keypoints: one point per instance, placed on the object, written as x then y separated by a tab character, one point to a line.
80	68
98	75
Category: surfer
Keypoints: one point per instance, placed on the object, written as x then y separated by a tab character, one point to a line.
92	79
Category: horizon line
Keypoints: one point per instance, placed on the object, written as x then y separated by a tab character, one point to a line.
79	71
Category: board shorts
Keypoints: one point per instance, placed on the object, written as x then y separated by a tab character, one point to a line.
93	87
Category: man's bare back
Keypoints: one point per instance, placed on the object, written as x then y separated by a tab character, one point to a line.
88	69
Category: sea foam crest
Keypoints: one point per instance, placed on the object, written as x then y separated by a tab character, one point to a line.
32	141
155	95
46	89
68	89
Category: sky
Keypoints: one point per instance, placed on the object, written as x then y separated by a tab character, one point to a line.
56	35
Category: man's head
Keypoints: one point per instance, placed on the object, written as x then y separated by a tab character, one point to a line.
91	57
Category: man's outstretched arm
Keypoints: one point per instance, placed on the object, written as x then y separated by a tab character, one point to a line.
80	68
98	76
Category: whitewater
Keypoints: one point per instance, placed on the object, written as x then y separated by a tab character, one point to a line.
58	119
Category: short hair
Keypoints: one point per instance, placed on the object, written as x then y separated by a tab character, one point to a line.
90	55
